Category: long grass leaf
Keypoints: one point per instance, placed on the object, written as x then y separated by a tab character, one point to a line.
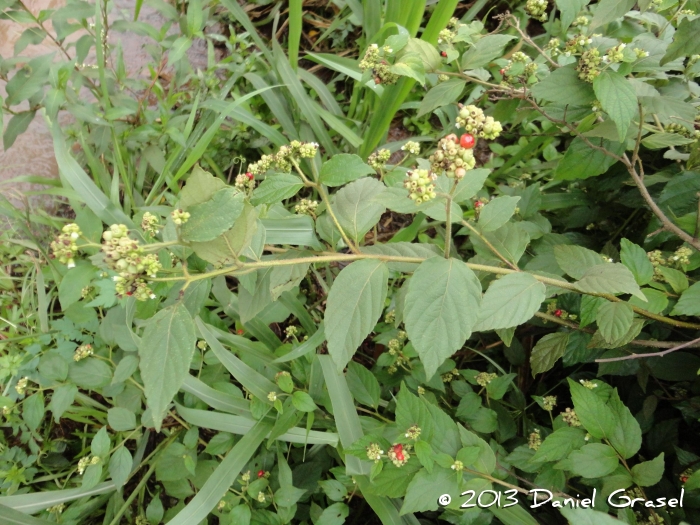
277	104
214	398
222	478
382	506
256	383
324	94
308	346
75	177
415	16
297	230
339	127
344	66
38	501
295	21
42	300
292	302
346	418
240	15
372	13
10	516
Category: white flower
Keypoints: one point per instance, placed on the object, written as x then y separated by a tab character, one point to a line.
71	264
152	296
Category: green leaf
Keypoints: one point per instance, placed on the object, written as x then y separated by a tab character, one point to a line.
581	161
576	260
426	487
121	419
10	516
200	187
178	49
559	444
547	352
33	410
441	308
333	515
72	284
635	258
303	402
595	415
358	207
614	320
563	86
510	240
355	302
61	399
486	49
609	10
212	218
410	65
610	278
343	168
90	373
363	385
470	185
17	125
593	461
649	473
665	140
689	303
569	11
100	443
423	51
441	95
497	212
677	279
618	98
684	42
166	349
222	478
403	249
626	436
275	188
510	301
120	466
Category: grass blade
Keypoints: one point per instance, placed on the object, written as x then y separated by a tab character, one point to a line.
10	516
372	13
38	501
290	300
308	346
214	398
346	418
222	478
277	104
324	95
383	507
295	21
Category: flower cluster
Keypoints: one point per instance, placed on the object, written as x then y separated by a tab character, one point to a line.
374	452
412	147
261	497
615	54
82	352
126	256
419	184
452	158
180	217
457	466
554	310
413	432
375	61
675	127
577	45
85	462
149	223
473	120
64	247
379	158
580	21
484	378
590	385
450	376
284	158
589	65
537	9
570	418
306	207
534	440
21	386
245	181
549	402
681	256
398	455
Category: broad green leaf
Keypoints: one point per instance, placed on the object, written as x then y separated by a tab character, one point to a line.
610	10
677	279
225	249
614	320
656	301
487	459
33	410
441	95
120	466
510	240
547	352
595	415
343	168
424	51
563	86
575	260
355	302
17	125
649	473
665	140
363	385
121	419
470	185
689	303
589	309
333	515
685	42
212	218
62	398
485	50
559	444
410	65
224	476
618	98
569	11
426	487
199	188
635	258
71	286
626	436
166	349
581	161
441	308
358	207
593	461
410	410
610	278
497	212
90	373
275	188
510	301
303	402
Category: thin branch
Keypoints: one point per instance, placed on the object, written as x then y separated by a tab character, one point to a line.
490	246
653	354
509	20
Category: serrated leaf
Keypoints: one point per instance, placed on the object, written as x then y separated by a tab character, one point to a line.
689	303
569	11
497	212
275	188
424	51
200	187
649	473
593	461
609	10
677	279
165	352
441	95
120	466
212	218
595	415
559	444
357	207
626	436
486	49
510	301
344	168
510	240
225	249
575	260
610	278
635	258
470	184
618	98
355	302
581	161
441	307
426	487
563	86
614	320
685	42
363	385
547	352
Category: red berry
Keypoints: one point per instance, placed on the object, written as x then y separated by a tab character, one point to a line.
503	71
129	294
261	473
467	141
377	80
478	204
684	479
249	175
444	53
398	448
399	456
557	313
239	331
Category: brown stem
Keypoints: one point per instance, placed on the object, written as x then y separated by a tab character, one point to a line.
653	354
